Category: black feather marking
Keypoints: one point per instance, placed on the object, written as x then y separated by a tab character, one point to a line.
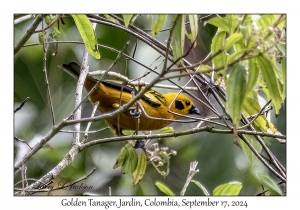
130	90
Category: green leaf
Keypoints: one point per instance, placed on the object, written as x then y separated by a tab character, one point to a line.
268	183
194	27
265	21
284	78
221	23
251	107
231	40
127	159
157	26
232	189
108	17
167	130
270	79
253	72
178	37
216	45
201	187
140	168
127	19
282	48
236	91
47	19
235	56
128	132
232	22
87	34
251	156
163	188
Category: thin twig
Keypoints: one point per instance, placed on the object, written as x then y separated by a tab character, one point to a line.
45	49
89	123
20	140
96	131
50	25
191	174
23	18
257	115
21	105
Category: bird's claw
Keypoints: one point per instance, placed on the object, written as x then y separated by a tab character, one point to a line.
135	113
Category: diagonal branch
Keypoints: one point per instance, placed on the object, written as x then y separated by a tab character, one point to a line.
28	33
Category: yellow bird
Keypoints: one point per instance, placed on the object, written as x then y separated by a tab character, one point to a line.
154	113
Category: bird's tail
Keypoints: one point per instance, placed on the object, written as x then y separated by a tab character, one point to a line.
72	68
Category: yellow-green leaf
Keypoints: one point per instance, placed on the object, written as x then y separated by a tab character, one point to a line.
231	40
268	183
140	168
163	188
167	130
108	17
127	159
270	79
128	132
284	78
221	23
251	108
235	56
253	72
218	44
232	22
127	19
235	92
178	37
232	189
194	27
87	34
157	26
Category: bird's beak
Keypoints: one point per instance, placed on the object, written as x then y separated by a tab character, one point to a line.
194	110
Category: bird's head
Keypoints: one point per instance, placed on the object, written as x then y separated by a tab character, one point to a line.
181	104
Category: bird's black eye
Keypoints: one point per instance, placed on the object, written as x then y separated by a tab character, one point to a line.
179	105
187	102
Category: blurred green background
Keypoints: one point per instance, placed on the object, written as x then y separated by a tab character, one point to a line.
220	161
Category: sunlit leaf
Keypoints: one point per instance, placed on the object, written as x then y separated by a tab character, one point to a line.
268	183
140	168
284	78
87	34
265	21
163	188
178	37
282	48
269	77
221	23
157	26
167	130
108	17
127	19
232	189
236	91
231	40
193	19
218	44
232	22
235	56
253	72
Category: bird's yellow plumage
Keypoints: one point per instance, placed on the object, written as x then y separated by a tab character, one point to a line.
112	95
